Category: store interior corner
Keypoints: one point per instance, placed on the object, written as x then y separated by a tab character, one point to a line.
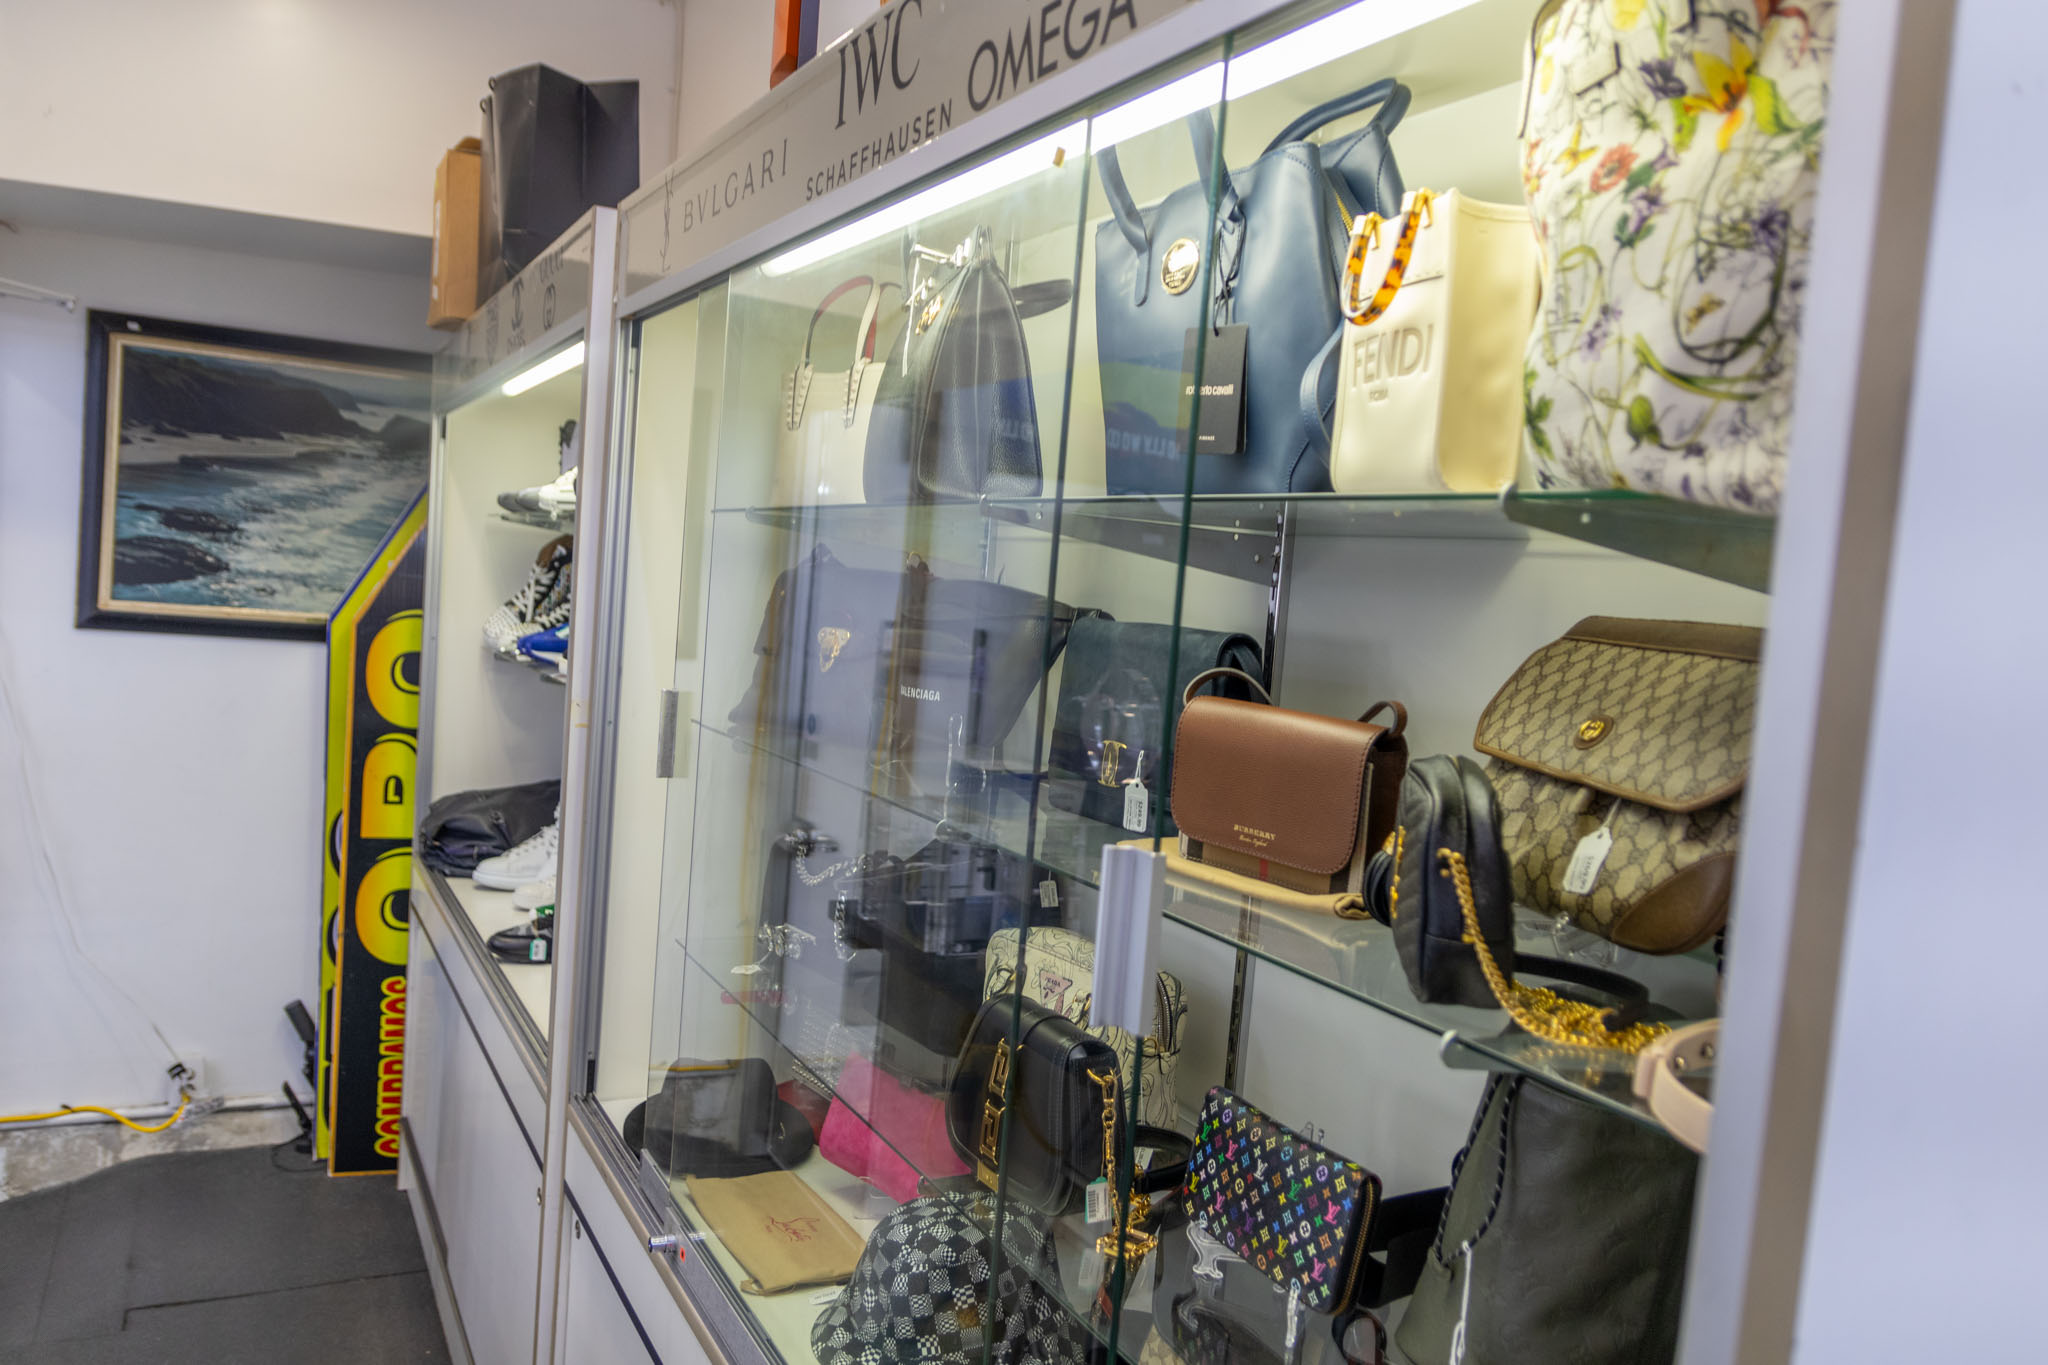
1019	682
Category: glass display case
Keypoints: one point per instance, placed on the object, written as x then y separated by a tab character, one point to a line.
504	529
930	519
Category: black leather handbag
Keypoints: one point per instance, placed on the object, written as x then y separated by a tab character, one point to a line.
1114	714
1441	882
1273	262
955	416
1036	1111
1570	1224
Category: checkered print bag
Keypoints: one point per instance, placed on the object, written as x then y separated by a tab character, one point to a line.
920	1293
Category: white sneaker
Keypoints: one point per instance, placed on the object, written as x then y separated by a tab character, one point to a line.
532	861
556	498
534	896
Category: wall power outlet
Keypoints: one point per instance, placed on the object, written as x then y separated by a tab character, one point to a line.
185	1080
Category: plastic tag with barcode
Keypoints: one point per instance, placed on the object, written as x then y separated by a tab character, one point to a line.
1101	1202
1137	808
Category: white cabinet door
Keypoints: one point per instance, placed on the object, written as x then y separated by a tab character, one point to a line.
482	1174
596	1327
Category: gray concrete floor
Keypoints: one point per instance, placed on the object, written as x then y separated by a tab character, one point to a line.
247	1255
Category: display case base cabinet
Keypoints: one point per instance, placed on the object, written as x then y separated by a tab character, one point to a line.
471	1172
595	1326
618	1306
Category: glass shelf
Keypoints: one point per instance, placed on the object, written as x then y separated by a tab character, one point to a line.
543	521
1358	959
543	667
1237	535
1734	547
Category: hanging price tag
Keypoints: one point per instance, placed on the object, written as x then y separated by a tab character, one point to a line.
1048	895
1137	808
1101	1202
1587	860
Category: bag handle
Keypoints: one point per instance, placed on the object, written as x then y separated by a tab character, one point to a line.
1122	207
1365	237
1210	674
865	344
1388	93
1660	1081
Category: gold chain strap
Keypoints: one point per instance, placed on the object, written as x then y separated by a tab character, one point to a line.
1542	1012
1123	1222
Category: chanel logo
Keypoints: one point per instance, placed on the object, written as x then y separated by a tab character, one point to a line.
831	639
1591	732
1177	267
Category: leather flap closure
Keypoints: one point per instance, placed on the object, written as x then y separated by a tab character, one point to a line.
1271	783
1658	712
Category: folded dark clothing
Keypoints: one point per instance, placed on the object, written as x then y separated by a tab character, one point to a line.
464	828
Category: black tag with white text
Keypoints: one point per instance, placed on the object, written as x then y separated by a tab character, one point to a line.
1220	427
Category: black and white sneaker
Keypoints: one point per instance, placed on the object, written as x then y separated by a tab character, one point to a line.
541	604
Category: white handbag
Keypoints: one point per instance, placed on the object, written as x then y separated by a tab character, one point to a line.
1059	973
1429	377
821	440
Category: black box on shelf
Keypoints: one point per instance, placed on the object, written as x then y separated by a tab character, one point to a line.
554	146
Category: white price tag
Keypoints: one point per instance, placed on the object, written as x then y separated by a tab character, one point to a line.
1587	860
1048	895
1137	808
1101	1202
537	950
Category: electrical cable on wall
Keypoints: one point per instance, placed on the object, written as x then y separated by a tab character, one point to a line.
39	836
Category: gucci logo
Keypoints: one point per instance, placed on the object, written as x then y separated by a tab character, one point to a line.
1592	731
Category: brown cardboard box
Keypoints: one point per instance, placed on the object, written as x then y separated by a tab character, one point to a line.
458	212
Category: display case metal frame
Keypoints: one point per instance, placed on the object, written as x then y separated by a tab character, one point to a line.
1827	579
564	296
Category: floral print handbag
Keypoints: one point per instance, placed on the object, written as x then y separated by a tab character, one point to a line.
1670	155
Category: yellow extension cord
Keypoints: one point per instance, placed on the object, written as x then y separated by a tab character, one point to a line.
121	1119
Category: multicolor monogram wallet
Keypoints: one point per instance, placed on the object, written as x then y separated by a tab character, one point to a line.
1293	1209
1301	1214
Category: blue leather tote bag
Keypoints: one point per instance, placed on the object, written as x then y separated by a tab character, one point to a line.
1273	262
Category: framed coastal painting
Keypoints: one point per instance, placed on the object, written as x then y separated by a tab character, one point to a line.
237	482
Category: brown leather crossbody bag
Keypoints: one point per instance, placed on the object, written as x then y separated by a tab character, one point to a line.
1285	797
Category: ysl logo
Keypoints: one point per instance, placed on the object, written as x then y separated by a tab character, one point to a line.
795	1230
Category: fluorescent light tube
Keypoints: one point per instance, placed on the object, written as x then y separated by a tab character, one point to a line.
1331	37
561	362
1198	90
1007	169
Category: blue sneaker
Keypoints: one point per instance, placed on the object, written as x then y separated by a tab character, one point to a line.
547	646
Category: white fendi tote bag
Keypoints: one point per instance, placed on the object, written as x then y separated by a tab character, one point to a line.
821	440
1429	380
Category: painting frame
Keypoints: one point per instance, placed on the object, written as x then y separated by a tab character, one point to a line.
109	334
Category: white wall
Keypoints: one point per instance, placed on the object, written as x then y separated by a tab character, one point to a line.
331	110
178	778
726	48
1928	1174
